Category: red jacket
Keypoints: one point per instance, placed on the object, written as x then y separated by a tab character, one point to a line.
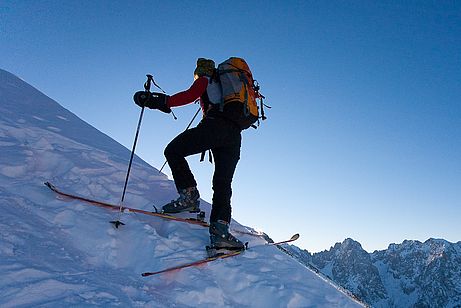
195	91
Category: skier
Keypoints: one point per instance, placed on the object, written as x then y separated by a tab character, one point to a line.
219	132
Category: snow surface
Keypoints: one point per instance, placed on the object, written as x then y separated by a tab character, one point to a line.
55	251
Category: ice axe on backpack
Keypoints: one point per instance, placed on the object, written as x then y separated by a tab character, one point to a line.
261	98
147	86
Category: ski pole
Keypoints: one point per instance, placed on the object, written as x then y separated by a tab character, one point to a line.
147	85
132	155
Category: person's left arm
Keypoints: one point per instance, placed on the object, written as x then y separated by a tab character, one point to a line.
190	95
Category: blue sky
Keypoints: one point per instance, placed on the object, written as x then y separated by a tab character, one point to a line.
364	137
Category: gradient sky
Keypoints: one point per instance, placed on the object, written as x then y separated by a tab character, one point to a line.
364	137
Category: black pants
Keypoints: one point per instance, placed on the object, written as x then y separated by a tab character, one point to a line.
223	138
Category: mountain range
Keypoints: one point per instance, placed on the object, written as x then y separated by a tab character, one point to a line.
410	274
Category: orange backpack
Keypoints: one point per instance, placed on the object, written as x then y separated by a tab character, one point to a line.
237	84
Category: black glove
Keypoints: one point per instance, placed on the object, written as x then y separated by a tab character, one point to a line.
152	100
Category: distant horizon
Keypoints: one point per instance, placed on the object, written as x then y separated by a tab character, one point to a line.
362	140
295	244
406	240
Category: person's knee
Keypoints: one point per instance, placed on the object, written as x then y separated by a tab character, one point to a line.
170	151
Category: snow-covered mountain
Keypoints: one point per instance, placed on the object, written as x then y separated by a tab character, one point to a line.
410	274
55	251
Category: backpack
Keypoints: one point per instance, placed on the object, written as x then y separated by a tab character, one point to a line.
236	84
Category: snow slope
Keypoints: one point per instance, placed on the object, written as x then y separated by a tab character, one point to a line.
56	251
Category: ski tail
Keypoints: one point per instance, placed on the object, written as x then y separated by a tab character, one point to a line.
125	208
196	263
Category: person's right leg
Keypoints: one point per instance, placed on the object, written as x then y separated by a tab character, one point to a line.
206	135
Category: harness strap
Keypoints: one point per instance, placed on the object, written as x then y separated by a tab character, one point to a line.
210	156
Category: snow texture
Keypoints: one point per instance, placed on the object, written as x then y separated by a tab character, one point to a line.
55	251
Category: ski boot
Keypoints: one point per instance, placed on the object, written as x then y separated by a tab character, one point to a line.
221	239
188	201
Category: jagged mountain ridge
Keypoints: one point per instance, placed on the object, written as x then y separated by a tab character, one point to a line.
410	274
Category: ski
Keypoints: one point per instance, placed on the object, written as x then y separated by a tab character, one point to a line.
195	263
125	208
214	258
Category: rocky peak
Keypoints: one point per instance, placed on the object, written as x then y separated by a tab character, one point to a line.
413	273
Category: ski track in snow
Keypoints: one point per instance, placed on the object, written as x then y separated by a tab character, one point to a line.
55	251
